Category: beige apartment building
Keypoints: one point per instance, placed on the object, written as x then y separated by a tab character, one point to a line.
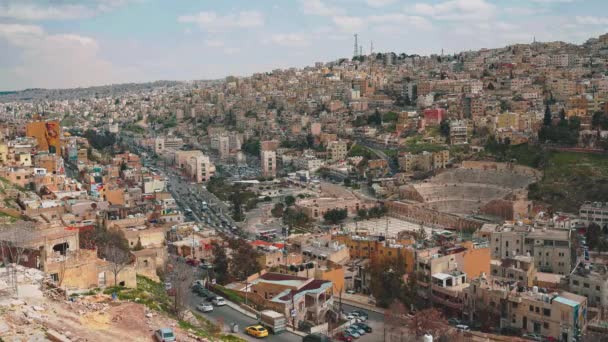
551	249
425	161
561	316
337	150
269	163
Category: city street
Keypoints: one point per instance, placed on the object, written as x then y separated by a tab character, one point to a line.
227	315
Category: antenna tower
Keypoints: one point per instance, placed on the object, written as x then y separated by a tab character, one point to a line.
356	52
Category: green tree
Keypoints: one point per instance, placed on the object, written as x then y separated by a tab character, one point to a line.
375	119
444	127
290	200
220	263
335	216
277	210
593	236
252	146
548	119
244	261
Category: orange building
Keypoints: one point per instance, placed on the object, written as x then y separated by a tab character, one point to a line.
47	134
371	247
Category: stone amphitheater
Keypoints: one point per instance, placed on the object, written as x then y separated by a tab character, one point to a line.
466	189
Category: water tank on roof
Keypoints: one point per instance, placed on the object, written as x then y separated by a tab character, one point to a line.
534	289
428	338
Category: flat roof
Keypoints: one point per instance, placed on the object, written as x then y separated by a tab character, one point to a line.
566	301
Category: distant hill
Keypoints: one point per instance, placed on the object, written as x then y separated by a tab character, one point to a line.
39	94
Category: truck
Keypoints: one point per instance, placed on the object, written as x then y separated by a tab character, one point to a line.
273	321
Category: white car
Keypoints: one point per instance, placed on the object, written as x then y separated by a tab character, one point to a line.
204	307
218	301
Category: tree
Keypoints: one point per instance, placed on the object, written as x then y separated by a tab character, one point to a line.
244	261
593	235
138	246
220	263
237	205
277	210
290	200
118	258
362	214
180	286
335	216
395	320
252	146
294	218
387	280
444	127
347	182
428	321
375	119
548	119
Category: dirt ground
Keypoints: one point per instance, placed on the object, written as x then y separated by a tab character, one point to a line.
94	318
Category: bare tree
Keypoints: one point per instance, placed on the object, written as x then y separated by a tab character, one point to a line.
181	277
118	258
428	321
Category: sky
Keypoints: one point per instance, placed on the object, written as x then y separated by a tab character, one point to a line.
70	43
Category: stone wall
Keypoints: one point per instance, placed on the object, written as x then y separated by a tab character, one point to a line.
417	213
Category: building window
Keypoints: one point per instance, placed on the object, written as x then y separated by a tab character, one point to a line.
575	282
585	285
597	288
547	312
545	325
531	308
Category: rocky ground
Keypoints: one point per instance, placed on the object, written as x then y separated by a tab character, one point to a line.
34	314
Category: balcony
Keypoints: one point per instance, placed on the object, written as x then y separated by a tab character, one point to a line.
450	303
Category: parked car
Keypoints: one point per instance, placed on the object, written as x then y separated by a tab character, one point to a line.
357	329
453	321
364	326
164	335
462	327
533	337
341	336
218	301
256	331
352	333
350	291
204	307
316	337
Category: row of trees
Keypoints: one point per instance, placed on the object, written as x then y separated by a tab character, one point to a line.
371	213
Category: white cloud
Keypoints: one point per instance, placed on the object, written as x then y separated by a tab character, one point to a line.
553	1
290	39
211	21
477	10
318	7
387	23
591	20
214	43
379	3
349	24
231	50
58	10
54	60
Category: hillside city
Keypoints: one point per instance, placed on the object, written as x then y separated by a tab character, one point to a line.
383	197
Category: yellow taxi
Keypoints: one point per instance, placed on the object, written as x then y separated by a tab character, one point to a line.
256	331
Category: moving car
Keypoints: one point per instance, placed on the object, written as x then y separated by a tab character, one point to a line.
218	301
204	307
256	331
164	335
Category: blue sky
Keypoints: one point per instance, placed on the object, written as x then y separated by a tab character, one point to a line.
69	43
